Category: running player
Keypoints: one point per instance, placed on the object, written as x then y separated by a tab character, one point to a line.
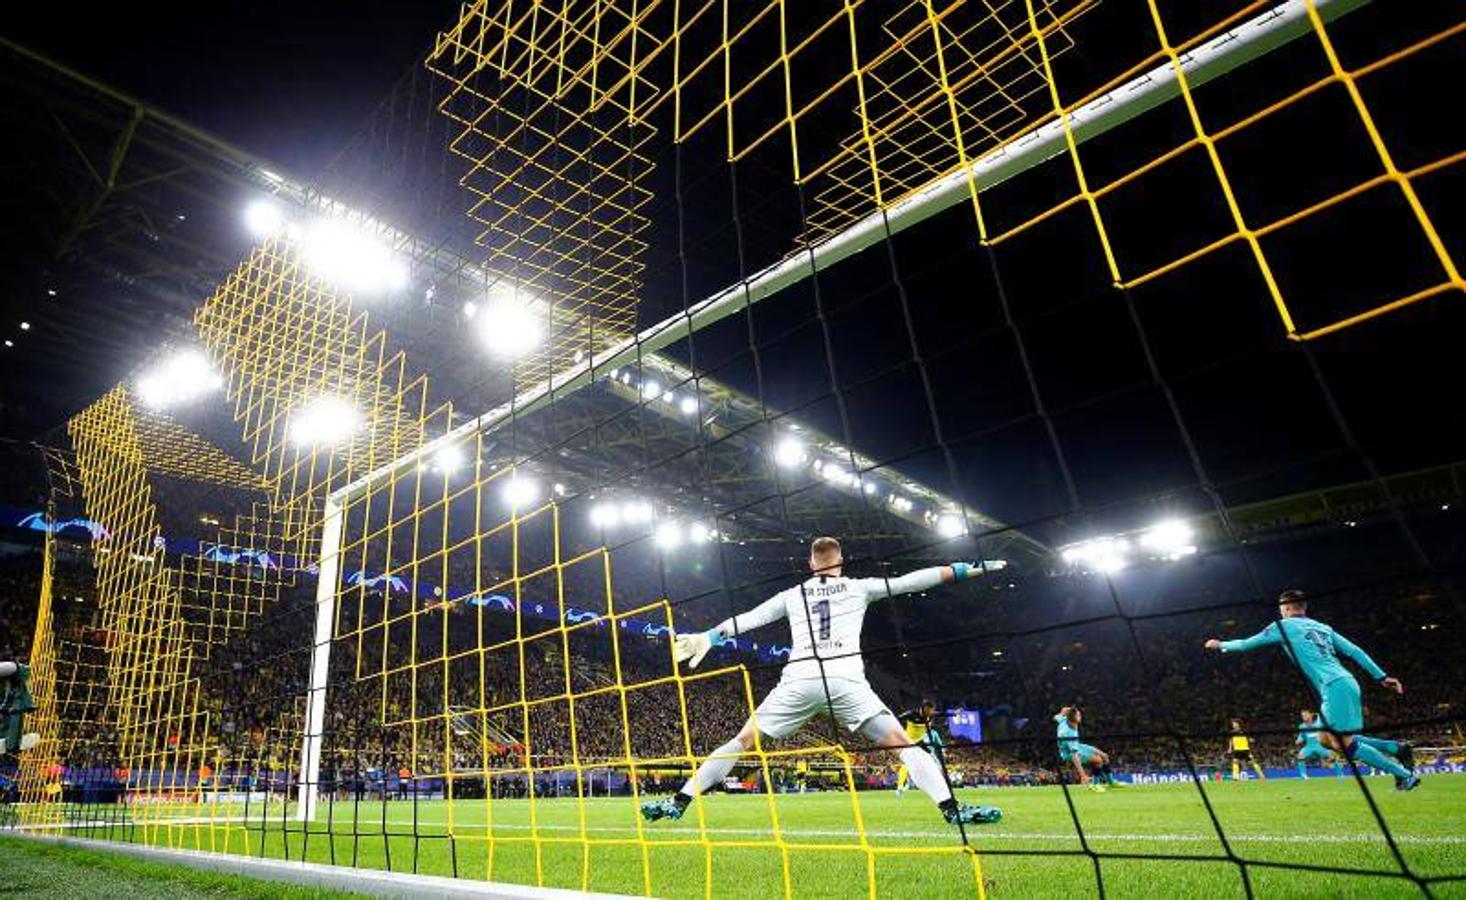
921	730
825	671
1240	746
1085	758
1309	749
1315	647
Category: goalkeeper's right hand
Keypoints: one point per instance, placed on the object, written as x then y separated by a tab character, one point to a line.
691	648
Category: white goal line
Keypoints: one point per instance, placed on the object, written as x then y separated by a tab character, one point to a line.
976	833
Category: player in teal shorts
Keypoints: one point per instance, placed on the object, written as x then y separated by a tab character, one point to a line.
1310	750
1315	647
1085	758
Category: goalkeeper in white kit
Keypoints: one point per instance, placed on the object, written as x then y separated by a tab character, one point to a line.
825	671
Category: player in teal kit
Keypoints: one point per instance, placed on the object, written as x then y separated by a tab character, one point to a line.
1083	757
1310	750
1315	647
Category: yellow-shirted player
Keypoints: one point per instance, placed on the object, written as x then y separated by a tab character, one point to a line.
922	732
801	775
1240	746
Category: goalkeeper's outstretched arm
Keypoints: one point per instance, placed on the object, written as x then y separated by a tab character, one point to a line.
691	648
923	579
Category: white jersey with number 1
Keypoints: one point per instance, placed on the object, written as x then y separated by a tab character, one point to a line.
825	617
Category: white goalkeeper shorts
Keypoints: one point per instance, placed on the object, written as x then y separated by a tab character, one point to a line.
792	703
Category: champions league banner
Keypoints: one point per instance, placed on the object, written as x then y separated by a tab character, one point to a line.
424	591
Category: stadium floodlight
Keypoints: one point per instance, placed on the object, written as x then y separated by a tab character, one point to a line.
25	326
637	512
1172	538
950	526
519	492
449	458
605	515
789	452
1102	554
668	535
264	219
688	406
325	421
180	378
352	258
699	533
650	389
508	323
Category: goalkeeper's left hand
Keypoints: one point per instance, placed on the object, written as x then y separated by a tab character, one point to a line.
691	648
962	571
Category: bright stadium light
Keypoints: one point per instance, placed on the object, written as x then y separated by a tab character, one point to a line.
688	406
181	377
950	526
1102	554
264	219
324	421
520	492
789	452
699	533
1172	538
605	515
507	322
352	258
650	389
668	535
449	458
637	512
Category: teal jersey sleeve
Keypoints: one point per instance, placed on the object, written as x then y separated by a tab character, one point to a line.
1314	646
1264	638
1355	652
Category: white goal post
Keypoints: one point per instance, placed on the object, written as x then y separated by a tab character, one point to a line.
1222	54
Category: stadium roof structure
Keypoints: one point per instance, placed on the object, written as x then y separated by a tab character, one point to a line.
142	220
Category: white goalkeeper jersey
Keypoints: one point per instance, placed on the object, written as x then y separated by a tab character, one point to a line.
825	616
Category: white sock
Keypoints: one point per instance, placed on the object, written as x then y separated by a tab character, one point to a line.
926	774
714	769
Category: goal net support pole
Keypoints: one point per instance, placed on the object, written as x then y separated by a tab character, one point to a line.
314	729
1222	54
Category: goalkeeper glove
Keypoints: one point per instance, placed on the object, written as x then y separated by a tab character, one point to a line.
691	648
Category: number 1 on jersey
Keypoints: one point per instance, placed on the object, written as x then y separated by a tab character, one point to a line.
822	608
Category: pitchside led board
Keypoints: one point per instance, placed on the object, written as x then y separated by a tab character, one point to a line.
965	723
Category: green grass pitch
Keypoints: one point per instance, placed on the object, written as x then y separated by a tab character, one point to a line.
39	871
1163	842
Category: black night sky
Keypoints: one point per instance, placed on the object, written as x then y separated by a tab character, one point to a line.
288	81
